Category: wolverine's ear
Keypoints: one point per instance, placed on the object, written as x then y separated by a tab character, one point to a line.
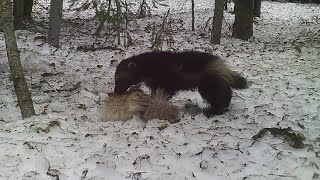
132	65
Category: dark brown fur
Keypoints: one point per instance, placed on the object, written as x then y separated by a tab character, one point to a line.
175	71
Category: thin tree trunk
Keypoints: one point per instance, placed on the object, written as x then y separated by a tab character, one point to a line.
55	19
19	82
142	9
226	5
243	24
217	21
18	13
192	11
257	8
28	9
118	20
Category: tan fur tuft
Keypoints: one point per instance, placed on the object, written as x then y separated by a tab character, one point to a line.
124	107
160	108
218	67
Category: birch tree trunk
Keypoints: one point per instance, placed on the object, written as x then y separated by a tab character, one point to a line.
55	19
217	21
19	82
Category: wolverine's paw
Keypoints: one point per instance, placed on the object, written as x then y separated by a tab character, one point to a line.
210	112
191	109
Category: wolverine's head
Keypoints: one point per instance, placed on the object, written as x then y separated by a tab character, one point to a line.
126	75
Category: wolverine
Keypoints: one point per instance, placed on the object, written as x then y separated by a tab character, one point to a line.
176	71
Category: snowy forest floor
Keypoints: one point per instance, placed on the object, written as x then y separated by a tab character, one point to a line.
67	139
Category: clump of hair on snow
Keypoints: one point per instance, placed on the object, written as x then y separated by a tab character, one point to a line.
123	107
160	108
136	102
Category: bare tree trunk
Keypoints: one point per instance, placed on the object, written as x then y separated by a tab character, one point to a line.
19	82
142	10
18	13
257	8
243	24
118	20
226	6
55	19
217	21
192	11
22	10
28	10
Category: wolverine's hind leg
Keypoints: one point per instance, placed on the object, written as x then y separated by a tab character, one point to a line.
217	93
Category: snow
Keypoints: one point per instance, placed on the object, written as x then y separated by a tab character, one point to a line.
67	139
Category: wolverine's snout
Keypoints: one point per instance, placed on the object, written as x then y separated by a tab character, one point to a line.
119	90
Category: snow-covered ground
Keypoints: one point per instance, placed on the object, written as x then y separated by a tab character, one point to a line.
67	140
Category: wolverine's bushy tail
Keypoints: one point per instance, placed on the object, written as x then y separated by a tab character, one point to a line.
235	80
239	82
